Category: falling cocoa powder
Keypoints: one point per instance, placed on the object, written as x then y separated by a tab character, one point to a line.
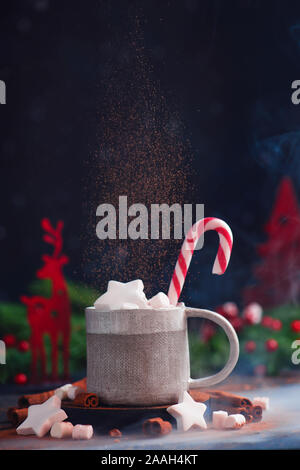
142	153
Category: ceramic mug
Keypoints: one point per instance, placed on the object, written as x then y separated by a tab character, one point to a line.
141	356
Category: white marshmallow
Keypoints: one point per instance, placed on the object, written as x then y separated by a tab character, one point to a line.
62	392
61	430
136	285
128	306
82	431
120	296
41	418
160	300
219	418
264	402
234	421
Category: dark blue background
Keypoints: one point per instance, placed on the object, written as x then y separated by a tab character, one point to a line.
227	67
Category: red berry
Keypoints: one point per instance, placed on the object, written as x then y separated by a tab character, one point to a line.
271	345
9	340
250	346
23	346
295	325
276	325
229	310
267	321
237	323
20	379
220	310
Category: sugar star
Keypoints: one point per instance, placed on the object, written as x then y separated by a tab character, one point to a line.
62	392
137	284
41	417
188	413
123	295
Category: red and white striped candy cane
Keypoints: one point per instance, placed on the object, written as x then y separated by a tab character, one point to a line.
188	247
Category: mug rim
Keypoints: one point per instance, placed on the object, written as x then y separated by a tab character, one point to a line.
135	321
178	307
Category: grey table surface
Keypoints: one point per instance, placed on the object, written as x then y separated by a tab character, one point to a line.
279	429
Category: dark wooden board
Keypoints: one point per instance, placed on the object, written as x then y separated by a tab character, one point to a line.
104	418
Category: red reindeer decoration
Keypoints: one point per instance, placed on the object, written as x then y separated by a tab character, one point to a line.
50	315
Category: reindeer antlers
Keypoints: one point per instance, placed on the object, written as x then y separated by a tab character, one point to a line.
53	235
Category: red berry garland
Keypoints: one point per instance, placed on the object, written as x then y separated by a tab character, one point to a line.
237	323
20	379
271	345
23	346
276	325
229	310
10	341
267	321
295	325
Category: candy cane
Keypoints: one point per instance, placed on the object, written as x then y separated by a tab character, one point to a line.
188	247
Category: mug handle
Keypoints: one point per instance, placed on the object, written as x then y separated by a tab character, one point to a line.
234	347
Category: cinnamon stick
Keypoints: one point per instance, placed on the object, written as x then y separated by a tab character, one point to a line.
199	396
86	400
225	401
34	399
242	411
17	415
251	413
248	417
38	398
80	383
228	398
156	427
257	413
115	432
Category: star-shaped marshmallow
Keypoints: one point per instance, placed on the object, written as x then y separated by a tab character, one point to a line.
188	413
122	295
62	392
73	392
160	300
68	392
41	418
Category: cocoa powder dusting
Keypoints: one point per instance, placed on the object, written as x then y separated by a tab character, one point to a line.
142	154
115	432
